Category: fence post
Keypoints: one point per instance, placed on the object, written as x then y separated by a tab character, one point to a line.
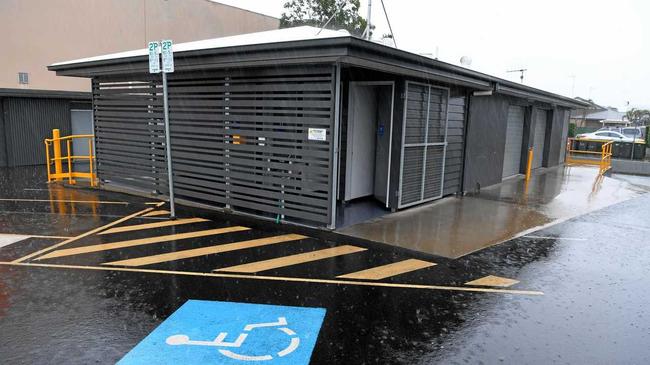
56	143
90	162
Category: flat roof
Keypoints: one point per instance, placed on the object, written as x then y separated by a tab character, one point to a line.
265	37
46	94
301	46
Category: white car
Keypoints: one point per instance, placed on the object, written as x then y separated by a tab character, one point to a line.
605	136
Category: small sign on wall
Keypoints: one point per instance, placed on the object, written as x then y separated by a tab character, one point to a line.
317	134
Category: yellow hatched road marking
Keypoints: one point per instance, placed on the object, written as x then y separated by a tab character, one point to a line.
385	271
293	259
283	278
91	232
156	213
196	252
492	280
139	242
138	227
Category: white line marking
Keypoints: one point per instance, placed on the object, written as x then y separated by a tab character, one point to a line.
8	239
235	356
282	321
295	342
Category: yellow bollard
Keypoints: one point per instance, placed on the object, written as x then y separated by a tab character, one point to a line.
529	164
58	165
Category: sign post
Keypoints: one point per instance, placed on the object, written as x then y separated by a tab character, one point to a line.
165	48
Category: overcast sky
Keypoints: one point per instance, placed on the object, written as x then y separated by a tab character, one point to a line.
596	49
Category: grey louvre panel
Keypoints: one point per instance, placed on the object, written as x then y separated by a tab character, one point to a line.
514	140
433	172
129	133
437	116
565	134
412	175
455	144
416	113
539	137
240	140
28	121
423	144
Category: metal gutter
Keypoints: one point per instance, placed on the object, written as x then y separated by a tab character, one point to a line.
50	94
539	96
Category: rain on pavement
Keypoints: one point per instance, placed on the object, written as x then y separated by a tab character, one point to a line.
85	275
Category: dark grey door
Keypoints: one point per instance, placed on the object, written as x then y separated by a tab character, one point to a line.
382	133
514	138
81	122
362	123
539	137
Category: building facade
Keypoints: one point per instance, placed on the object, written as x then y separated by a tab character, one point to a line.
301	125
39	33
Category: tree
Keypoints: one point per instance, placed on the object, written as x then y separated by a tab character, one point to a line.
638	116
317	12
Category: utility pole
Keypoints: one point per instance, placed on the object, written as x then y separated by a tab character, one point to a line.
368	19
522	70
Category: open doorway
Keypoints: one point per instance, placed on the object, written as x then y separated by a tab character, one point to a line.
368	147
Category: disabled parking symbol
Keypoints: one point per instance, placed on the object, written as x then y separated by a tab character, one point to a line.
210	332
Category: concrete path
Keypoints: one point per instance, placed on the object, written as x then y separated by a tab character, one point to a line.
454	227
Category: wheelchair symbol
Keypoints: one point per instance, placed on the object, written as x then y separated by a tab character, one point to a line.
220	341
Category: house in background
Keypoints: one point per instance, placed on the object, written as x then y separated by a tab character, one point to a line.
34	101
594	117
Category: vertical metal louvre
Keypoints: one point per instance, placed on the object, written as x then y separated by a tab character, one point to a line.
129	133
424	144
539	138
239	140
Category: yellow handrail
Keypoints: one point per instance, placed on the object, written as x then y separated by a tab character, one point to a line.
605	153
57	160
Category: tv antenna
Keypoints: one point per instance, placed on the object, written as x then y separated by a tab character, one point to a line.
367	33
522	70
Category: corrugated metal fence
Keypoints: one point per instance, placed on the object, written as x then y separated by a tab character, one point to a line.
27	122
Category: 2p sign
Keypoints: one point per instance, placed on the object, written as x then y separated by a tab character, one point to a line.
167	56
166	49
154	60
208	332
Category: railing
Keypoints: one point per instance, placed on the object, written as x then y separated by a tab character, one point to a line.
602	158
58	159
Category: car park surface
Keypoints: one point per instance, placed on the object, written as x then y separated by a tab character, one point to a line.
570	293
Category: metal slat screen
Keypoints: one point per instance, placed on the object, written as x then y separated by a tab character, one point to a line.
240	140
424	144
129	134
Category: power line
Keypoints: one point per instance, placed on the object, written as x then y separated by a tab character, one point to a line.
388	21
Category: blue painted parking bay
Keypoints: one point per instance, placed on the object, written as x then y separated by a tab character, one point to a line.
211	332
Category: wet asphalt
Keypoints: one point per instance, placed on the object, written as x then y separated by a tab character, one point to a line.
592	270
